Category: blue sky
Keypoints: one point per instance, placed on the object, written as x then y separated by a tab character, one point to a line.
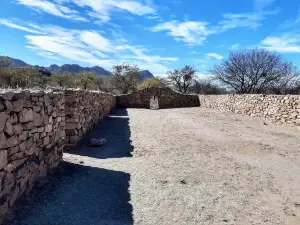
157	35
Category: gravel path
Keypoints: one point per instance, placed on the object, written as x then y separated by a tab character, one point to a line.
175	166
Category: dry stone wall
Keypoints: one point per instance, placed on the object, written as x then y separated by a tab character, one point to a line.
34	127
276	108
84	110
31	141
167	98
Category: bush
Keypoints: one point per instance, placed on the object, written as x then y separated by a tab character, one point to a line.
154	82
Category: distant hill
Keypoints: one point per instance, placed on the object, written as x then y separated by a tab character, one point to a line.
146	74
74	68
17	63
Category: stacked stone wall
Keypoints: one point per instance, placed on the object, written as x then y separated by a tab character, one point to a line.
167	98
85	109
35	127
275	108
32	131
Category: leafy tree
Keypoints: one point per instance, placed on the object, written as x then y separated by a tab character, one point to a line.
22	78
125	78
154	82
85	80
255	71
62	80
182	79
102	83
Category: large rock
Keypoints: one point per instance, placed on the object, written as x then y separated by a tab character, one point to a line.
37	119
8	95
8	128
2	140
8	106
18	128
3	159
28	126
26	115
12	141
3	119
18	105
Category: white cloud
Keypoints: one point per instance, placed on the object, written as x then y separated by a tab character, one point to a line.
54	9
88	46
196	32
11	24
261	4
190	32
286	43
215	55
252	20
132	7
102	9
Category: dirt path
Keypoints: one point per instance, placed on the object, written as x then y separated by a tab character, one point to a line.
176	166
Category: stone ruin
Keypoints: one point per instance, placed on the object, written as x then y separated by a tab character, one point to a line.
163	97
36	126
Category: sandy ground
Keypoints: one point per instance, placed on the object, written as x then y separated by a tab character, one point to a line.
175	166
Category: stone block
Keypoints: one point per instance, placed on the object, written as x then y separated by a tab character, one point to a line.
18	128
3	159
13	150
12	141
8	106
28	126
3	119
17	105
2	140
8	128
26	115
37	119
23	136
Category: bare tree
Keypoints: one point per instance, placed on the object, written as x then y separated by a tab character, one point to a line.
254	71
182	79
125	78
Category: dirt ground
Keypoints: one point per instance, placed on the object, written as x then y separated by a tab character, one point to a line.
175	166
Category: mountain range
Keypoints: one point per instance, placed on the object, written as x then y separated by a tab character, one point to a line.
74	68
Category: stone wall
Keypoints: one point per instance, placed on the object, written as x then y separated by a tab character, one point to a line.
167	98
31	141
276	108
34	127
84	109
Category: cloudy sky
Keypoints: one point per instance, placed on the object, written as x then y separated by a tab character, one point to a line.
157	35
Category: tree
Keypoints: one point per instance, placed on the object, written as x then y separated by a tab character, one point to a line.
125	78
85	80
182	79
22	78
65	80
254	71
103	83
206	87
154	82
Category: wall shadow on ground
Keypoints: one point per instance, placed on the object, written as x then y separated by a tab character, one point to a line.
78	195
116	130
